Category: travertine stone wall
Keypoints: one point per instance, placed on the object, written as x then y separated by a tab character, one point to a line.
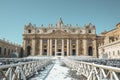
110	43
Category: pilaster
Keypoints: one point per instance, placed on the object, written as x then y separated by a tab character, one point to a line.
68	47
41	47
77	47
62	47
50	47
85	47
55	46
94	48
33	47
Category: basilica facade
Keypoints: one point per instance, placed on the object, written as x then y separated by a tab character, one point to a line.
60	39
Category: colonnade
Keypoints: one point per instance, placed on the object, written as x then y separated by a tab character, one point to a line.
50	45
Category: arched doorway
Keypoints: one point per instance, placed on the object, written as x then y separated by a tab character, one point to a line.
44	52
28	50
73	52
90	51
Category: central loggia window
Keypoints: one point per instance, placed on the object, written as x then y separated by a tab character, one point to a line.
89	31
29	30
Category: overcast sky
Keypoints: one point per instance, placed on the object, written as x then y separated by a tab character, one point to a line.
14	14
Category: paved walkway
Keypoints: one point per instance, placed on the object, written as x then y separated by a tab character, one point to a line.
58	72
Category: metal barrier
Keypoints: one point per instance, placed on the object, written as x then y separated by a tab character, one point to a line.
22	70
93	71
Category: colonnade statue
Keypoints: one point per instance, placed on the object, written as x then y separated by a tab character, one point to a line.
15	54
104	54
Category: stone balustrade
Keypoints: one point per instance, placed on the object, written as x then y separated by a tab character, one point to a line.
23	70
9	43
108	62
93	71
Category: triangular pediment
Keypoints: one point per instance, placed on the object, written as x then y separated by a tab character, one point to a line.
59	33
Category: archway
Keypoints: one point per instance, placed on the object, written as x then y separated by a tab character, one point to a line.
90	51
44	52
28	50
73	52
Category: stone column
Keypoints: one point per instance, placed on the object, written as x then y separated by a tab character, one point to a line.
55	46
62	47
50	47
33	47
85	47
94	48
24	47
77	52
68	45
41	47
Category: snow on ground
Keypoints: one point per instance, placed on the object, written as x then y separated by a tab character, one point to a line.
53	72
58	72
